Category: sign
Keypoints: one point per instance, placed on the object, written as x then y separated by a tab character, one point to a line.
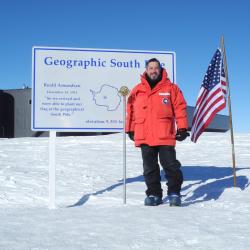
78	89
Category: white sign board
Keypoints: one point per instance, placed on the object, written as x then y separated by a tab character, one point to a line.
77	89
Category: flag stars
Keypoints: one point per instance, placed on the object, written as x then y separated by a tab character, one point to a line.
212	77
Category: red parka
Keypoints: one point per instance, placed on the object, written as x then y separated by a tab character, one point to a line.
152	114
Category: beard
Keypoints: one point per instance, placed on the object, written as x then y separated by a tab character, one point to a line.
154	76
153	79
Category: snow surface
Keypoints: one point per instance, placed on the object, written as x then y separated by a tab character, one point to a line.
90	212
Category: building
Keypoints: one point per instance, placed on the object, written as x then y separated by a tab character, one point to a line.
15	117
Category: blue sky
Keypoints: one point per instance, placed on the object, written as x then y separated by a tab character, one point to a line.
190	28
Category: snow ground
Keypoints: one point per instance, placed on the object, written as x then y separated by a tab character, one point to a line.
90	212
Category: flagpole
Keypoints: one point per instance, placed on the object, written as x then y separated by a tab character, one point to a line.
229	107
124	91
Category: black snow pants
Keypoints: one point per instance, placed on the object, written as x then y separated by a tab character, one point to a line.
151	169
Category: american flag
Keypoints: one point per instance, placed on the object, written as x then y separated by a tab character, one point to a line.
212	96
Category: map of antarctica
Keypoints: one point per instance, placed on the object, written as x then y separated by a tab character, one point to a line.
108	96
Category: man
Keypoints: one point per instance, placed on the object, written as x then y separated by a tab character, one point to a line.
155	106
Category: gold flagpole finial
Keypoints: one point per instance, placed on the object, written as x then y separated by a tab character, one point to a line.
124	91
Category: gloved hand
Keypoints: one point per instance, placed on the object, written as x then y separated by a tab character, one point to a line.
181	134
131	135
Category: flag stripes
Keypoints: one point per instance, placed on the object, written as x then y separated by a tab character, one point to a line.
211	98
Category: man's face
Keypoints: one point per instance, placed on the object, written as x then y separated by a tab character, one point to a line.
153	70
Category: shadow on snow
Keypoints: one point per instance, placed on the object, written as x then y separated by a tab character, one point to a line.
218	178
85	197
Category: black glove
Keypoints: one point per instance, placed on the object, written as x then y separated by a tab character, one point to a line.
131	135
181	134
